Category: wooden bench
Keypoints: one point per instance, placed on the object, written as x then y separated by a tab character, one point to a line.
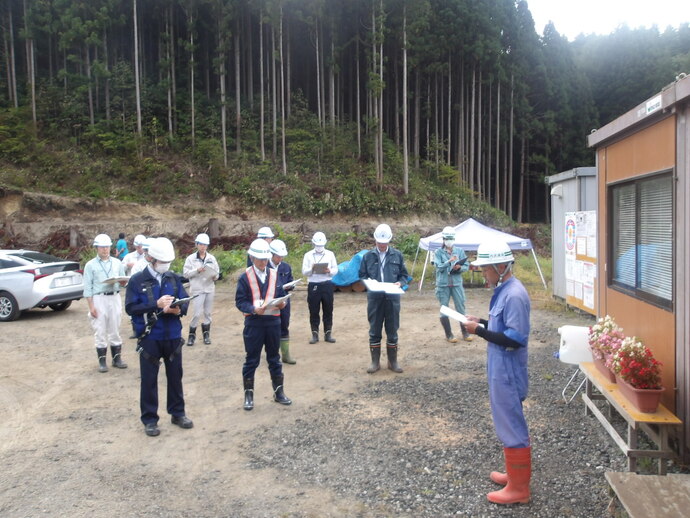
656	426
651	496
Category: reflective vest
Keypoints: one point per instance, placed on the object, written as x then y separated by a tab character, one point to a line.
257	300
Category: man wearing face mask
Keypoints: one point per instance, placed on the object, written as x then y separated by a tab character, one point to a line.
507	334
150	294
450	261
319	265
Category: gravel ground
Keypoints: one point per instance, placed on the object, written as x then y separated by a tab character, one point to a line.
371	447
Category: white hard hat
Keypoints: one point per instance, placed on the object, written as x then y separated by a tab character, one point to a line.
139	240
319	239
162	249
147	242
265	232
203	239
102	240
448	233
493	252
383	233
260	249
278	247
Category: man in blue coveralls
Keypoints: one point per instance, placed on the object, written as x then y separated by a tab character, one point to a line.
507	331
385	264
150	294
256	288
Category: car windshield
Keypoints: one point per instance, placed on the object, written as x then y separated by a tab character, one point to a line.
38	257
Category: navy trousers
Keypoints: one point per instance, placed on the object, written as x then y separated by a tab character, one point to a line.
161	349
255	338
383	310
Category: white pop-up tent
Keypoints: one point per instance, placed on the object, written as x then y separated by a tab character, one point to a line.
469	235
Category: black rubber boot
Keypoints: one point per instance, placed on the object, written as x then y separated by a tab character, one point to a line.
392	351
248	393
192	336
314	336
278	393
329	337
206	329
445	322
375	359
102	359
116	351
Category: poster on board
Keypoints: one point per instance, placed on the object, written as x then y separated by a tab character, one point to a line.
581	259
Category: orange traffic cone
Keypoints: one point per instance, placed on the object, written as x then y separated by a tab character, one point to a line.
518	473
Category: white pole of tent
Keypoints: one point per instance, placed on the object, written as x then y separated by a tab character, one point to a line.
415	259
538	268
421	280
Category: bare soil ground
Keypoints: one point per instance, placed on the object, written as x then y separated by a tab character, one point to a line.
71	443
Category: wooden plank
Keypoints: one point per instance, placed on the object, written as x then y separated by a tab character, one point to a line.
662	416
651	496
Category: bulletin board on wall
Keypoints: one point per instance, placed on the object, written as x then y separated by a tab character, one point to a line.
581	259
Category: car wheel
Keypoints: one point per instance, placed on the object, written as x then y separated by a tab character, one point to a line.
60	306
8	307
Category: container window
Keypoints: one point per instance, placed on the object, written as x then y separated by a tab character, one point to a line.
642	238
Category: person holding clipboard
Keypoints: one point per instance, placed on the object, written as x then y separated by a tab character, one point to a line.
450	261
319	265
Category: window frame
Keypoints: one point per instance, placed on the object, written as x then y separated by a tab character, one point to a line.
636	292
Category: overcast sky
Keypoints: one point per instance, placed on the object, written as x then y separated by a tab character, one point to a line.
572	17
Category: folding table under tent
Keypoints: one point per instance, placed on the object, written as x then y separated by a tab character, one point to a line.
469	235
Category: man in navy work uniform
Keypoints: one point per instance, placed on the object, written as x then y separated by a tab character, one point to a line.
257	286
507	331
150	294
385	264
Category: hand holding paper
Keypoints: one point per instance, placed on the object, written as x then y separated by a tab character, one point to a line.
274	303
445	310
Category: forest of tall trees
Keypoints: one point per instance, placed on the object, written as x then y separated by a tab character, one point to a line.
466	91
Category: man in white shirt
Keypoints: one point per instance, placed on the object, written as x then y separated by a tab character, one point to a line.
319	265
134	257
202	270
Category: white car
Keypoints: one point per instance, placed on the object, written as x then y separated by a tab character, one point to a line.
31	279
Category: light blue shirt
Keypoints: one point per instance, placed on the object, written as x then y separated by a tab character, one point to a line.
96	271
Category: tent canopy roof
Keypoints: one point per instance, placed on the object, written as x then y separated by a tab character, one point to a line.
470	234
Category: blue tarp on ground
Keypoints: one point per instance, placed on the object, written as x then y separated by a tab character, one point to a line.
348	271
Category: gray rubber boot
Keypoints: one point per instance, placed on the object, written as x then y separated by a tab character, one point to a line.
445	322
392	351
314	336
116	351
329	337
102	359
375	359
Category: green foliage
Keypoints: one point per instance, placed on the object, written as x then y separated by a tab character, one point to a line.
230	260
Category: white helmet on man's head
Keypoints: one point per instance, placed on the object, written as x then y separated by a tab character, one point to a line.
448	233
493	252
139	240
319	239
265	232
260	249
147	242
102	240
162	249
278	247
383	233
203	239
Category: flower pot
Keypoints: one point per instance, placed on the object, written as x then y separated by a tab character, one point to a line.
604	370
645	400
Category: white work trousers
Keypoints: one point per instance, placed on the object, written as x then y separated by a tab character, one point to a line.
106	326
202	306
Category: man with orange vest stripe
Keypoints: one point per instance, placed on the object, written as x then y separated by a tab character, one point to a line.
255	288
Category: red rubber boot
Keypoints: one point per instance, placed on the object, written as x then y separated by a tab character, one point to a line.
519	472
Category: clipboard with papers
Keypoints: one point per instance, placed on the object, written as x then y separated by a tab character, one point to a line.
320	268
386	287
276	302
292	284
113	280
445	310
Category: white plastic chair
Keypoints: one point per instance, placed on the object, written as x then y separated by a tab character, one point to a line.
574	349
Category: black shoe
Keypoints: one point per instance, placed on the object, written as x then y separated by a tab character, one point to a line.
182	421
151	429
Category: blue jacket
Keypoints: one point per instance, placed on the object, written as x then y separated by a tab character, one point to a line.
445	275
245	302
393	268
143	292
